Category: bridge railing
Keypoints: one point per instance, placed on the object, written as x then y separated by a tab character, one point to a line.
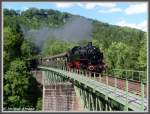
124	82
135	87
133	75
128	80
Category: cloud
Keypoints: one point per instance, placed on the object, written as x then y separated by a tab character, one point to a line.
133	8
86	5
136	8
65	5
93	5
115	10
111	10
143	25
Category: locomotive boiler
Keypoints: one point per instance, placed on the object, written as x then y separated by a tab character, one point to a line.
86	57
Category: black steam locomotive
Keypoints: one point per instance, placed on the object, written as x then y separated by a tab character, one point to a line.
86	57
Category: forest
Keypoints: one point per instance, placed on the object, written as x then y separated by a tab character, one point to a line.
123	48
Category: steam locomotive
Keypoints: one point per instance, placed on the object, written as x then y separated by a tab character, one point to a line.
86	57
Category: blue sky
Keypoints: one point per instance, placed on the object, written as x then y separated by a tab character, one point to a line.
132	14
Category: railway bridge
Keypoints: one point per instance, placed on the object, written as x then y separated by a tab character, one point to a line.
122	90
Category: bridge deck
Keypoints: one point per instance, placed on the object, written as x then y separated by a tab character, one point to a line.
130	100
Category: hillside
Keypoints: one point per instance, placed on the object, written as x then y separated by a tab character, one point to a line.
51	30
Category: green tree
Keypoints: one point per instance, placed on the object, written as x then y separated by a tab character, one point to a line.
52	46
12	42
142	59
26	49
118	56
20	88
39	104
16	85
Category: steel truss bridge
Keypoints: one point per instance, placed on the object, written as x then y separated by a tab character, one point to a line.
123	90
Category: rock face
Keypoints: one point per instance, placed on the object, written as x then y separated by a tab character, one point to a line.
59	97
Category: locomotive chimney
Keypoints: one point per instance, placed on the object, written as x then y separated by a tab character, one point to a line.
89	43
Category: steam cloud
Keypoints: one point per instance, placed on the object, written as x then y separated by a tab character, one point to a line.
75	29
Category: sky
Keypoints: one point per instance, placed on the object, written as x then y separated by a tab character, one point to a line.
131	14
